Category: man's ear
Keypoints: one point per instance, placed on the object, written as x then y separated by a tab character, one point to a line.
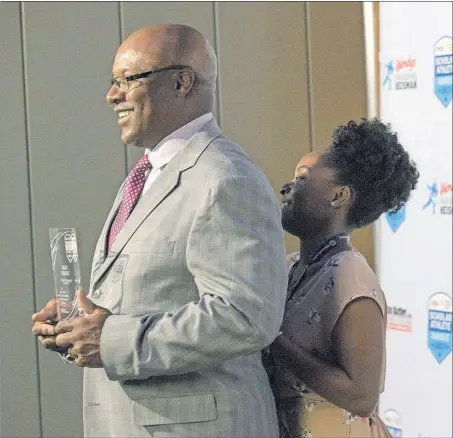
184	82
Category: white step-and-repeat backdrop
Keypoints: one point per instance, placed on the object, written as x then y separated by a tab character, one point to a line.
414	246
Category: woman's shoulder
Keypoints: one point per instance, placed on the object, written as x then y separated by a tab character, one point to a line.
352	261
354	278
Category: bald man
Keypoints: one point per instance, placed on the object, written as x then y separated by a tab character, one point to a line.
188	277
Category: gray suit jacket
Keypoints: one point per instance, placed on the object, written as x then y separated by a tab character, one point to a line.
196	282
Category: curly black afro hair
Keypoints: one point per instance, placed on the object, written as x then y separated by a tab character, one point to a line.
369	159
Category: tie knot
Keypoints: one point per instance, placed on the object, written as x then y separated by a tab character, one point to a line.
142	165
136	176
131	192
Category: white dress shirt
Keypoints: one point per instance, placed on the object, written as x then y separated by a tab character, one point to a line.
167	148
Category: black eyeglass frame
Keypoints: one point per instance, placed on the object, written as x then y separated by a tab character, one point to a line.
128	79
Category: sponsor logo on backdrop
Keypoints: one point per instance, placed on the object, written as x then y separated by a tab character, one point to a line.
392	420
445	197
387	82
439	198
398	318
400	74
405	73
395	219
443	79
439	325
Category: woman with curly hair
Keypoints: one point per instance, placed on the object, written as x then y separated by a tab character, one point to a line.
327	367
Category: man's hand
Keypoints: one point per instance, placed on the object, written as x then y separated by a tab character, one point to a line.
83	333
43	327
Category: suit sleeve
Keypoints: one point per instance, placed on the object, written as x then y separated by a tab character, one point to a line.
236	255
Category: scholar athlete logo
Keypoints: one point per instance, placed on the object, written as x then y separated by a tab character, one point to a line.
443	70
400	74
395	219
440	325
439	198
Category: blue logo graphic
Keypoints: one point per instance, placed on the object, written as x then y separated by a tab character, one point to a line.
395	219
395	432
439	325
433	193
388	74
443	70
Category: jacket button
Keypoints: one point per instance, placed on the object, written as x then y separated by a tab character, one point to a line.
96	294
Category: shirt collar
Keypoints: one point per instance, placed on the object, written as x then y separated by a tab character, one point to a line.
167	148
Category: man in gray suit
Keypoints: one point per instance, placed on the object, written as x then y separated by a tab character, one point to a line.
188	277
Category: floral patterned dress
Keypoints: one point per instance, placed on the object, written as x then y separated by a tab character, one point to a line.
310	316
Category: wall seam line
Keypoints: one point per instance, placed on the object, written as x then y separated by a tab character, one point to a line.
121	36
216	48
308	48
30	204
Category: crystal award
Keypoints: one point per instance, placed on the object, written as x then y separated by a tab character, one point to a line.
66	271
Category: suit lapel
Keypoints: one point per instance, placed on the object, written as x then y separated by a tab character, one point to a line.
100	251
108	222
166	182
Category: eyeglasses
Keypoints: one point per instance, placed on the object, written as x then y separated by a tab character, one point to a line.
123	84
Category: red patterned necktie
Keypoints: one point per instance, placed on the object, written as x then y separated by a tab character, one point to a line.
132	189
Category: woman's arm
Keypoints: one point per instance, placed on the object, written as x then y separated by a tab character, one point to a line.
353	383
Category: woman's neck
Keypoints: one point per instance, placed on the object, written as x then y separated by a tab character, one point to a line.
310	245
